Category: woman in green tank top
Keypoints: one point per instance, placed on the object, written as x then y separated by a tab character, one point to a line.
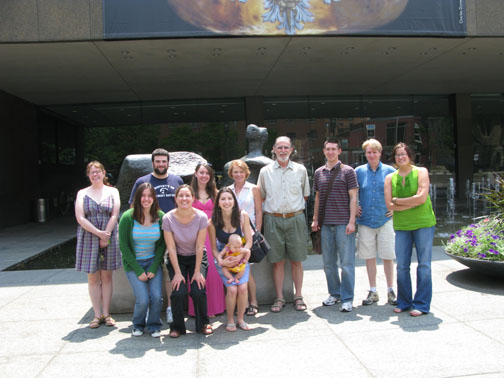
407	194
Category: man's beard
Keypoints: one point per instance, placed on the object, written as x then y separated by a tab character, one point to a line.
160	171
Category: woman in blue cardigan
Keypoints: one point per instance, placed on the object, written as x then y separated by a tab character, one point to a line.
142	247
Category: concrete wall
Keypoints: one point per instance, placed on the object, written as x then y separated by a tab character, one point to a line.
19	180
50	20
485	18
81	20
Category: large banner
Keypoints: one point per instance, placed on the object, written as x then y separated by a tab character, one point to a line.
207	18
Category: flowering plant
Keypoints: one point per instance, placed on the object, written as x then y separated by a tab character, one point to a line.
483	240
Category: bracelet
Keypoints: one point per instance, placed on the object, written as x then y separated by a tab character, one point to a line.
394	200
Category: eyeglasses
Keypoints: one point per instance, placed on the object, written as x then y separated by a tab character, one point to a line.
92	173
401	155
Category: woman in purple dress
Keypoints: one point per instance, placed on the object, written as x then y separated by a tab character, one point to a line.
203	184
97	251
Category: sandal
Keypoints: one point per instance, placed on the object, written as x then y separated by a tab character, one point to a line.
95	323
278	305
397	310
244	326
109	321
207	330
416	313
252	310
299	304
174	334
231	327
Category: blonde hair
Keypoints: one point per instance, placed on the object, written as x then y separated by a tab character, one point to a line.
239	164
373	144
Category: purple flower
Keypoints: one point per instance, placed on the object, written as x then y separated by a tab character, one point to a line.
465	249
452	236
495	237
493	251
482	255
459	232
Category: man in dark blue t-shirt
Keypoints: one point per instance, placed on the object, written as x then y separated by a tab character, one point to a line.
165	185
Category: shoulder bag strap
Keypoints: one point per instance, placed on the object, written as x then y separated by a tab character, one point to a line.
324	200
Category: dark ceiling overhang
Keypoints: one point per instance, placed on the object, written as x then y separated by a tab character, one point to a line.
130	81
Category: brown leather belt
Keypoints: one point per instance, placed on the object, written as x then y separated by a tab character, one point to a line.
286	215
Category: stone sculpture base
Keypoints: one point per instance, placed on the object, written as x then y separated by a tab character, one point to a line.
123	300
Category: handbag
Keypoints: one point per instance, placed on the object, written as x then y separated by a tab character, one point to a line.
260	246
315	235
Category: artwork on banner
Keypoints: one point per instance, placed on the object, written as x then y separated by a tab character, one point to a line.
183	18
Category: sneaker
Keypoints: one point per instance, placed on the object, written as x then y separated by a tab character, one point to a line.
371	298
392	298
346	307
137	332
330	301
156	333
169	315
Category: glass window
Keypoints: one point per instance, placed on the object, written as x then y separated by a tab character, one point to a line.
488	135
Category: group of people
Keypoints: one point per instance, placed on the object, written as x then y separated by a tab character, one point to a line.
204	235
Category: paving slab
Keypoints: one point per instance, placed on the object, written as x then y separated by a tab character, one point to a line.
427	351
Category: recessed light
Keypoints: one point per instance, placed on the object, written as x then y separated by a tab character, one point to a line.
350	48
215	54
172	56
171	51
392	48
217	49
307	48
125	52
261	48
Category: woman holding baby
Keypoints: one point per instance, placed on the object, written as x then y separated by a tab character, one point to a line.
227	219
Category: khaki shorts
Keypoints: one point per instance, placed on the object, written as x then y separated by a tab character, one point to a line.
288	237
376	242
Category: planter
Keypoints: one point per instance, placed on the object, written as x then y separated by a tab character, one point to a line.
490	268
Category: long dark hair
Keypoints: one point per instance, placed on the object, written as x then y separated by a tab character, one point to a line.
138	214
210	188
217	220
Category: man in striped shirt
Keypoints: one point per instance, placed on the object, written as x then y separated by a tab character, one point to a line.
338	228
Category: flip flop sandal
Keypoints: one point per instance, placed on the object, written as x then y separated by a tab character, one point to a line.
174	334
416	313
299	304
95	323
231	327
278	305
207	329
252	310
244	326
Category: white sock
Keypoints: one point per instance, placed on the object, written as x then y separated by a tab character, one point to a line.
390	289
372	289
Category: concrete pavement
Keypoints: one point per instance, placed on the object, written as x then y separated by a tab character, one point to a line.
44	316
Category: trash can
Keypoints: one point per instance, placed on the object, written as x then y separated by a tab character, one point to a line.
41	210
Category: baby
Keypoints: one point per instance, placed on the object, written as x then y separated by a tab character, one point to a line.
234	247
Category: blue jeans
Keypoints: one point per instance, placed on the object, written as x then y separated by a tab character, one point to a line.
404	247
336	243
148	295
